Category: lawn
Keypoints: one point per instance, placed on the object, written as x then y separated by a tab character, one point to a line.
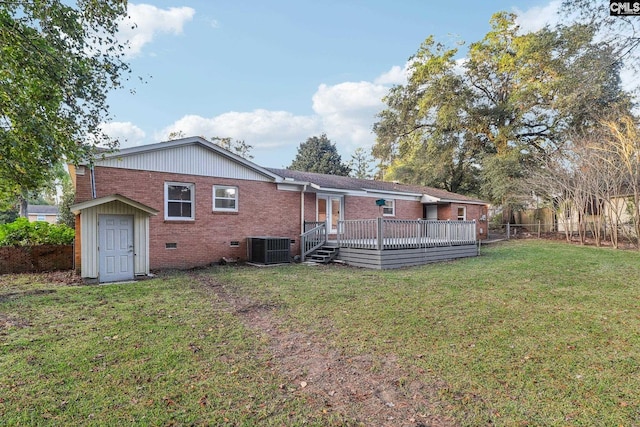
529	333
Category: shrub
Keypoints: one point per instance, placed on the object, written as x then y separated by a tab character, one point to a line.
21	232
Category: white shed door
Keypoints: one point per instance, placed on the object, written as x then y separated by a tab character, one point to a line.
115	249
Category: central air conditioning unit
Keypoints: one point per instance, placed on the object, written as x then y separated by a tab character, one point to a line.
269	250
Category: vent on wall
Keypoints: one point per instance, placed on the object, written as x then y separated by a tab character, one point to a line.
269	250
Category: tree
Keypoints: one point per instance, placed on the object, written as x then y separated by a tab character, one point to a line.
237	146
590	178
176	134
622	153
68	199
360	164
472	126
319	155
58	61
620	33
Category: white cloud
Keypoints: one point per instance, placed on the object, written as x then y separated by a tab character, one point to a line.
145	21
348	96
347	111
128	134
537	17
395	76
260	128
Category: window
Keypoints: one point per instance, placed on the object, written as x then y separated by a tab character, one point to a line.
179	201
225	198
389	208
41	218
462	213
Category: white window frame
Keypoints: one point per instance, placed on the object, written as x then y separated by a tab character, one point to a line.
464	213
192	188
235	199
389	208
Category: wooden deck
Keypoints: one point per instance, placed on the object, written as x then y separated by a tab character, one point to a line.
386	243
397	258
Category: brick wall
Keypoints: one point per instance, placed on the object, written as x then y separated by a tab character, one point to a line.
262	211
366	208
33	259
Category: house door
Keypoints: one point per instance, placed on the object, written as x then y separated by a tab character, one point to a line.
431	212
115	247
330	211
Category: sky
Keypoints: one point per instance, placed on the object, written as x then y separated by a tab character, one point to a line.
275	73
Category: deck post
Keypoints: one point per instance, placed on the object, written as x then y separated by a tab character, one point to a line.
326	231
380	236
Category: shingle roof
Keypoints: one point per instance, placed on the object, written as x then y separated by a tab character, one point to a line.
348	183
42	210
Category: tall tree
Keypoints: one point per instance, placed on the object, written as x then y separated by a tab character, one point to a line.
360	164
472	125
58	61
318	154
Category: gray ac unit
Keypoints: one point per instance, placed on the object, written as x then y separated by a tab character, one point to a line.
269	250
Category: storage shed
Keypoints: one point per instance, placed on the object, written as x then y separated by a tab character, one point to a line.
112	238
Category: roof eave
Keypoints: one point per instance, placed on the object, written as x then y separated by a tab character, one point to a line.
159	146
393	193
78	207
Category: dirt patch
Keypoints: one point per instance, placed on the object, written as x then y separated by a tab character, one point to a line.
373	391
15	295
62	278
7	322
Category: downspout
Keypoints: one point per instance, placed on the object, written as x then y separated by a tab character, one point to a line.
93	182
304	188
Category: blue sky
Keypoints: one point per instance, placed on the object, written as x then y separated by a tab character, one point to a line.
275	73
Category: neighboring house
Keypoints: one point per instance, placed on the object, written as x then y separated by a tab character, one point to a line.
46	213
188	202
565	218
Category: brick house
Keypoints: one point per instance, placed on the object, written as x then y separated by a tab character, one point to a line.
188	202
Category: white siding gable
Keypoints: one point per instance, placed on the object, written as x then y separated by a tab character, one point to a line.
191	159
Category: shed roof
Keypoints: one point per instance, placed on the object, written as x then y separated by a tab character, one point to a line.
112	198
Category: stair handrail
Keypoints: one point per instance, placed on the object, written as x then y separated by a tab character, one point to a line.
313	239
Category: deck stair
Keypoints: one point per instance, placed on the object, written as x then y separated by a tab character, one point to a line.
324	254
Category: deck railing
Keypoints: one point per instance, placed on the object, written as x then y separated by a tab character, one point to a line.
382	233
315	235
310	225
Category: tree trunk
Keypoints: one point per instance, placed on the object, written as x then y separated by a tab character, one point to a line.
22	200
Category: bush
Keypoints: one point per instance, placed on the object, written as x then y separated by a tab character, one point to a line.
21	232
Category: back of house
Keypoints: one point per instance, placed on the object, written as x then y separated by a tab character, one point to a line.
188	202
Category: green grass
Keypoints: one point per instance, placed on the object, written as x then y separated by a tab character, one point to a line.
529	333
158	352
